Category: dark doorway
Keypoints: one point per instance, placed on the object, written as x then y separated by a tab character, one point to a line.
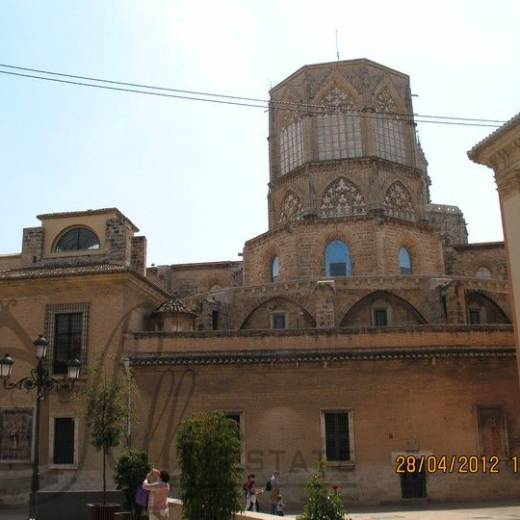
413	484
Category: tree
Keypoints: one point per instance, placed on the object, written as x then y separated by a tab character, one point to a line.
324	502
105	415
208	451
131	469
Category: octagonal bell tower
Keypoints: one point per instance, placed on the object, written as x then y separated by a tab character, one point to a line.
342	142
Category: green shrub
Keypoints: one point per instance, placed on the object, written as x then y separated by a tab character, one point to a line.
131	469
208	450
323	502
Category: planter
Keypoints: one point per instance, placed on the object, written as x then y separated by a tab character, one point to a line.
102	511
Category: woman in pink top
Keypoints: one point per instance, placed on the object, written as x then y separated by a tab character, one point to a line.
157	483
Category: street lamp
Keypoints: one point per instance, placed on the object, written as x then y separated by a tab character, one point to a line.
41	381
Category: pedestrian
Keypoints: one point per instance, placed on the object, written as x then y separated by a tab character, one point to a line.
157	483
274	487
248	494
252	493
279	505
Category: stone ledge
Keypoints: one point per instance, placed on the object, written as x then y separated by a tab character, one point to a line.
451	328
176	512
313	356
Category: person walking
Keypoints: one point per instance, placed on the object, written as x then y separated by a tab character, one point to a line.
252	493
274	488
157	483
279	506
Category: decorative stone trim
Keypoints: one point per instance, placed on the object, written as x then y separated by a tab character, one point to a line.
508	185
245	357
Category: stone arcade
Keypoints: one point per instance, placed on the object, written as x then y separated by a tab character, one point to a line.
361	326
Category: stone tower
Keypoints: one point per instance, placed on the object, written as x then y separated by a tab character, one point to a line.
344	129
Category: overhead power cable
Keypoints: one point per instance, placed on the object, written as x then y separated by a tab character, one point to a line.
139	88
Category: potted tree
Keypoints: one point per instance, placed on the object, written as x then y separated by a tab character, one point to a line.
131	470
208	450
105	418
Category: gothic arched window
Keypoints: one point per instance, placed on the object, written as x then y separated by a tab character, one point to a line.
405	261
339	128
77	239
291	208
275	269
337	259
390	129
342	198
291	147
398	202
484	273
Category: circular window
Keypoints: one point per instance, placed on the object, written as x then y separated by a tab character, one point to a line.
77	239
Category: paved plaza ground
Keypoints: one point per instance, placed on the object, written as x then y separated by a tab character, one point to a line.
483	511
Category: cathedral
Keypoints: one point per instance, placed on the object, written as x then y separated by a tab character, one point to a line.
361	329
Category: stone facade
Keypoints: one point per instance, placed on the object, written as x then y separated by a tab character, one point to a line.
501	152
362	303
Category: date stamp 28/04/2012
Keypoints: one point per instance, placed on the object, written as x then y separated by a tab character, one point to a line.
491	464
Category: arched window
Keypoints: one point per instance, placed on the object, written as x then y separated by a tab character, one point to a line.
484	273
337	259
275	269
405	261
77	239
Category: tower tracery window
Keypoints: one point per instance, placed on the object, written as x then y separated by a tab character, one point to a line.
389	129
342	198
291	147
398	202
337	259
291	208
339	128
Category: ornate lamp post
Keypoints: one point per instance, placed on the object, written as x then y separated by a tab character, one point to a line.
41	381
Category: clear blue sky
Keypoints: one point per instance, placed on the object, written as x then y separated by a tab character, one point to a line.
193	175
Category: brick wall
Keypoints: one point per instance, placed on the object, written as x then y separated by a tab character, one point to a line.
423	406
374	248
138	260
467	260
181	280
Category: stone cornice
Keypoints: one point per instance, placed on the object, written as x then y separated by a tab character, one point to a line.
508	183
238	357
41	274
341	332
504	139
88	213
338	165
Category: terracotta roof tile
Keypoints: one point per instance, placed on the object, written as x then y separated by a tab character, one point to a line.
173	305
